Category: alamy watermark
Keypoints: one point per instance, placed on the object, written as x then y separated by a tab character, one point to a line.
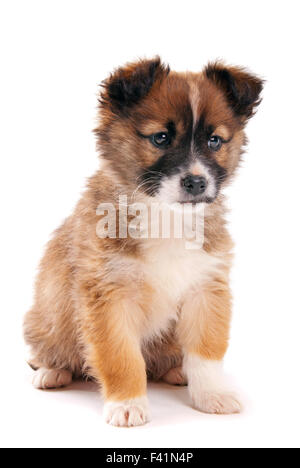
152	221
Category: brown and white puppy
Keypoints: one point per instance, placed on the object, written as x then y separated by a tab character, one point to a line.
121	309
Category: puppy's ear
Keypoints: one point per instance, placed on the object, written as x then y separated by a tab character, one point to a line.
241	88
128	85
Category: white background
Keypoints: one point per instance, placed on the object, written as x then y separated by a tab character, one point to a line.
53	56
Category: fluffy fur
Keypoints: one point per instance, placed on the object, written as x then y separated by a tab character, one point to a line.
119	310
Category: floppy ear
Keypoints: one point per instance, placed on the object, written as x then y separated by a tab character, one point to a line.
241	88
127	85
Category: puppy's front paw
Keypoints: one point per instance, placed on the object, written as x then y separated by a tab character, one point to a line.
217	403
208	387
127	413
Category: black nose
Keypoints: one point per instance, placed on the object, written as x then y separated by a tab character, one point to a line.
194	185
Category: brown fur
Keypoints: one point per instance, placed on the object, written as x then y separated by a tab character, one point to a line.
90	315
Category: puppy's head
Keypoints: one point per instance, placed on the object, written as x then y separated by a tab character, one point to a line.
177	137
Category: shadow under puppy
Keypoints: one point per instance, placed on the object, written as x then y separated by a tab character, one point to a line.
117	309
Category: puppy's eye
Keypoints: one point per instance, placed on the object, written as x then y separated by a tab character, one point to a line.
160	140
215	143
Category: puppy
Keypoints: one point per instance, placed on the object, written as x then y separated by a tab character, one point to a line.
121	307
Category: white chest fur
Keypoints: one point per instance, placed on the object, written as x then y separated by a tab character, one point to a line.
173	270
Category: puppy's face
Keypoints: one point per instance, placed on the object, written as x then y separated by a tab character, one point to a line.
177	137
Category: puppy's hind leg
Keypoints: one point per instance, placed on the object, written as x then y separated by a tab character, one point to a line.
175	376
46	379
